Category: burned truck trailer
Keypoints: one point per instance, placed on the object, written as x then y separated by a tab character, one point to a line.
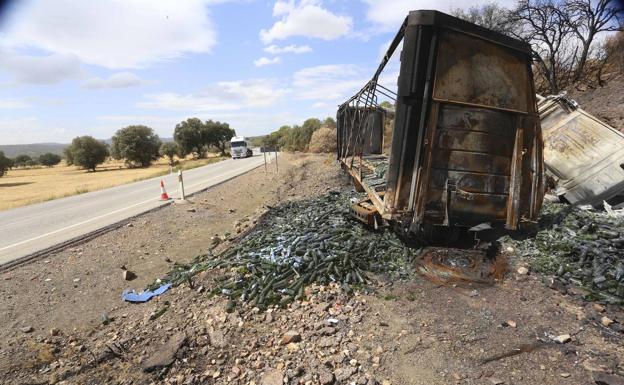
466	145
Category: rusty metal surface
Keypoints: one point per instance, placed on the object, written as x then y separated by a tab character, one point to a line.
466	145
365	212
584	154
477	72
453	266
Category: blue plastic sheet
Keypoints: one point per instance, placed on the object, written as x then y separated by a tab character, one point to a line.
133	296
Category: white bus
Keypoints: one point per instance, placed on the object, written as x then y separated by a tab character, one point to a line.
240	147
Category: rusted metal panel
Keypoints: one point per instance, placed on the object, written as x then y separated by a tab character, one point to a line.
466	144
584	154
477	72
368	140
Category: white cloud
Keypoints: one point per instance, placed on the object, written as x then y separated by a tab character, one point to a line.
117	80
223	96
305	18
264	61
10	104
320	105
297	49
329	82
49	69
388	15
30	130
110	33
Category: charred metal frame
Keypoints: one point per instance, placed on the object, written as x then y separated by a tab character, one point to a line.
422	118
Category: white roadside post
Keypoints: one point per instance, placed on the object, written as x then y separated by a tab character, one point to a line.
181	183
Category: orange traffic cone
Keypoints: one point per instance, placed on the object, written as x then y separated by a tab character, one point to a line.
163	193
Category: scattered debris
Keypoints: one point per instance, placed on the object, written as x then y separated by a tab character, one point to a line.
300	243
581	153
27	329
132	296
581	248
562	339
128	275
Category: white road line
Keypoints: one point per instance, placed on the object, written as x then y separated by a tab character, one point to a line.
75	224
102	216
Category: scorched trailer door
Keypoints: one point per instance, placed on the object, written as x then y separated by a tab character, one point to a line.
466	145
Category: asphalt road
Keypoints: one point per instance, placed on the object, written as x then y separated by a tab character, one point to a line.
27	230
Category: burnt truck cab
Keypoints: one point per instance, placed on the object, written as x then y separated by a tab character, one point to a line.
466	145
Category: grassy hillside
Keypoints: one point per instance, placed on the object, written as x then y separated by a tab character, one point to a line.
35	149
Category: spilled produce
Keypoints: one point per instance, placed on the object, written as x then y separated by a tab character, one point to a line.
578	247
298	244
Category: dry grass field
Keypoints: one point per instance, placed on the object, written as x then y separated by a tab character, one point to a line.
21	187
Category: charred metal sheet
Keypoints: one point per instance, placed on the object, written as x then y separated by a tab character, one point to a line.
583	154
466	144
368	139
365	212
450	266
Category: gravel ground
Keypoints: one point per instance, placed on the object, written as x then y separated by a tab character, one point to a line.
409	331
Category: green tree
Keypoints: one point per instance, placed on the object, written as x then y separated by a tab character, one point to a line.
22	160
49	159
218	134
191	137
387	105
88	152
138	145
170	150
5	164
67	154
329	122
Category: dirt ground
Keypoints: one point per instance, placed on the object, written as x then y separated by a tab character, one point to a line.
606	103
64	321
25	186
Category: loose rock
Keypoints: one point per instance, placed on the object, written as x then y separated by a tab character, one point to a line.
272	377
291	336
165	355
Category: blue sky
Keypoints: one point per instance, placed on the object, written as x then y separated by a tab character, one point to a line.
76	67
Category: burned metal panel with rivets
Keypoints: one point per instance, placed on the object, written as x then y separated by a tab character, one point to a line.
584	154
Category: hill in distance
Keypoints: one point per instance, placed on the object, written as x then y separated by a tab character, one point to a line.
32	150
36	149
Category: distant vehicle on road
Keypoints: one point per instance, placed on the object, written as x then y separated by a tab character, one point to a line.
240	147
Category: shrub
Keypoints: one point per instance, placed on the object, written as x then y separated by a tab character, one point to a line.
323	140
22	160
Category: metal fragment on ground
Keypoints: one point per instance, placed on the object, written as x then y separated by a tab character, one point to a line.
583	154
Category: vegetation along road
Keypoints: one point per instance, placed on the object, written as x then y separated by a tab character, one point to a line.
28	230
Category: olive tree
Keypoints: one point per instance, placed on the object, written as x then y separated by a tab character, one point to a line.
191	137
88	152
137	145
5	164
218	134
49	159
170	150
